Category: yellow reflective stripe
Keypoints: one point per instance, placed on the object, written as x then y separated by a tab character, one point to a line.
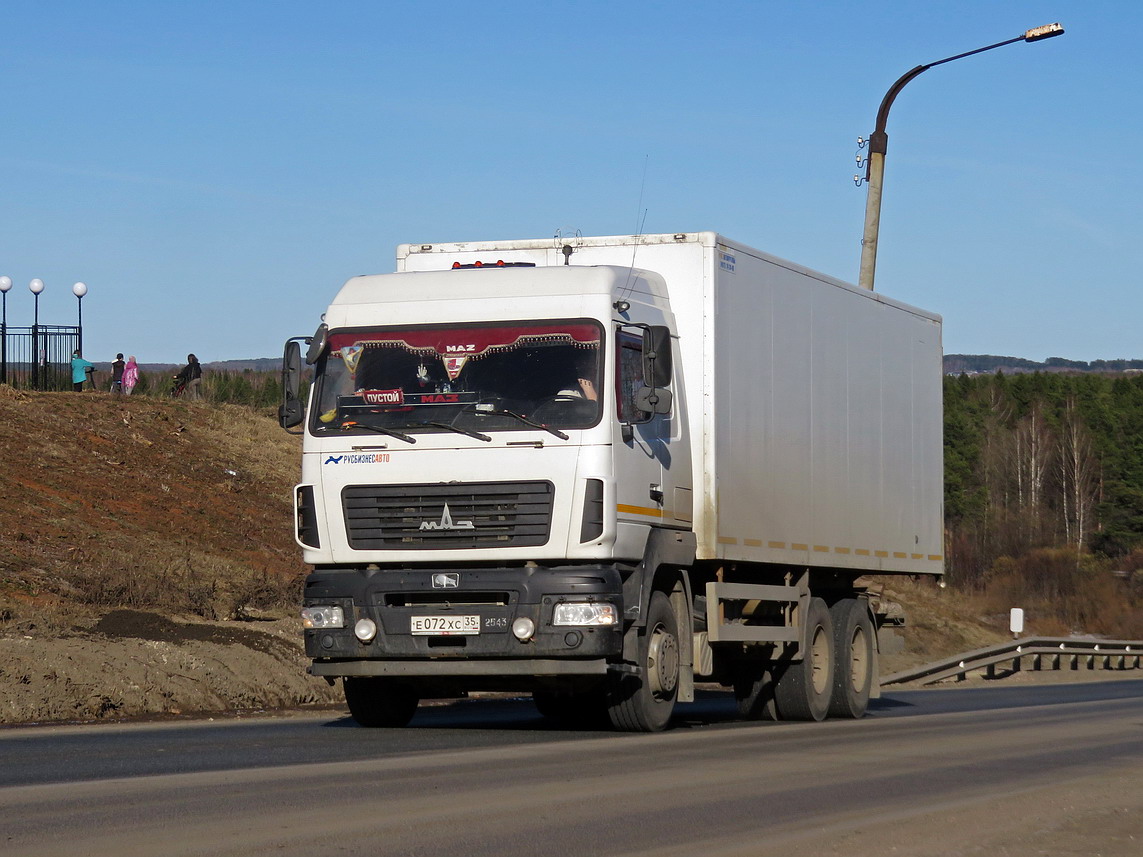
798	546
639	510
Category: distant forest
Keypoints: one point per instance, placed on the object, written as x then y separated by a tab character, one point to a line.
1044	492
987	364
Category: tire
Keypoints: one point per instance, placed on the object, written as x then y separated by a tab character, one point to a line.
580	710
644	702
379	702
803	690
754	692
853	641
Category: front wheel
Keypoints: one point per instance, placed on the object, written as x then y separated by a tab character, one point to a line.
379	702
644	702
803	690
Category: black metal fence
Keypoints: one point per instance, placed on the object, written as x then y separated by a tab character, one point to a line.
38	357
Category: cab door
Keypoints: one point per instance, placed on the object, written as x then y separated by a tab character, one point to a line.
653	466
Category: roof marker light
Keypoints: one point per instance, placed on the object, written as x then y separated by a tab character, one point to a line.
499	263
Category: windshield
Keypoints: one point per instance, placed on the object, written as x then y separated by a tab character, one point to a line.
468	379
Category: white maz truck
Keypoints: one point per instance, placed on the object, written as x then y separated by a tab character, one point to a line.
598	470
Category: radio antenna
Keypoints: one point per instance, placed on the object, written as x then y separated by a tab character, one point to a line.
640	220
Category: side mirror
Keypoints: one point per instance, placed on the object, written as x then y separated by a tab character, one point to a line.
291	412
657	355
653	400
317	344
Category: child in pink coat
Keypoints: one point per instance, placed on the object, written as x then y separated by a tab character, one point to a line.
130	375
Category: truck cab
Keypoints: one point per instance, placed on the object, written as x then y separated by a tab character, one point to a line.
486	452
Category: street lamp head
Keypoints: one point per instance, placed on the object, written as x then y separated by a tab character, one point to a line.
1044	32
79	289
36	286
5	284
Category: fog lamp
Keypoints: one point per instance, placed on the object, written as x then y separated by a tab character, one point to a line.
365	630
523	628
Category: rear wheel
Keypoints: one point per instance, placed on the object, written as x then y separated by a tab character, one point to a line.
853	645
379	702
644	702
803	690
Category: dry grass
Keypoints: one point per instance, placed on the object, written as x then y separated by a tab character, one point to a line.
109	502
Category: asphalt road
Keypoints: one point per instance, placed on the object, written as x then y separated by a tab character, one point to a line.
993	768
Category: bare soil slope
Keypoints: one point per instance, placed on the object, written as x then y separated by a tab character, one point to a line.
147	562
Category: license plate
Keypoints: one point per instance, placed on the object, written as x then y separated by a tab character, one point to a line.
445	626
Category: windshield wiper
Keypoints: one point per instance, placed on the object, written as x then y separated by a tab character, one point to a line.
380	430
506	413
459	430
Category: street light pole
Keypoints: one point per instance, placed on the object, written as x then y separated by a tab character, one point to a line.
79	290
879	141
35	287
5	284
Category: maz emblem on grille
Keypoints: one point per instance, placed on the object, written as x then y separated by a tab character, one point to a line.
447	523
446	581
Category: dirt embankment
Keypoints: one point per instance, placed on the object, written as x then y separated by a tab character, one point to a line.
147	562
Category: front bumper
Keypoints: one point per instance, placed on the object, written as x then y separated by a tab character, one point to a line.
498	596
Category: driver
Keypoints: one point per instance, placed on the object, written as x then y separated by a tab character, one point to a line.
583	385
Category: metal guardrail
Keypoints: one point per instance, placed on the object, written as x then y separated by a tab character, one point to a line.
1057	652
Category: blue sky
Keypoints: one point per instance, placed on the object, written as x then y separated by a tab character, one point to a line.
214	172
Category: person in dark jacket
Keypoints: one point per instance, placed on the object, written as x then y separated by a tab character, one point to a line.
190	378
117	374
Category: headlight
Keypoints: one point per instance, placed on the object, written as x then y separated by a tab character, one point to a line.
584	613
323	617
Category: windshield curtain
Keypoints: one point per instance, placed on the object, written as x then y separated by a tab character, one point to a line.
474	378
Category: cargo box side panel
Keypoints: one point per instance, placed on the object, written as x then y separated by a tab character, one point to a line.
826	420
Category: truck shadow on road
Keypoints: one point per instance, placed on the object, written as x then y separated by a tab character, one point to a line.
714	708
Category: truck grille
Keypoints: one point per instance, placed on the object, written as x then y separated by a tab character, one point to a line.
447	516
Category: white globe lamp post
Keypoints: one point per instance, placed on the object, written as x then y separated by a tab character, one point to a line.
5	285
79	290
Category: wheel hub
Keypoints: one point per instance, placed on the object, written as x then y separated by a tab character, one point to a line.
663	662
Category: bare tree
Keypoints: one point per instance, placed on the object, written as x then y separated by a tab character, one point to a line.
1029	466
1079	477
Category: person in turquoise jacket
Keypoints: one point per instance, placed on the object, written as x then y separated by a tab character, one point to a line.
79	370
